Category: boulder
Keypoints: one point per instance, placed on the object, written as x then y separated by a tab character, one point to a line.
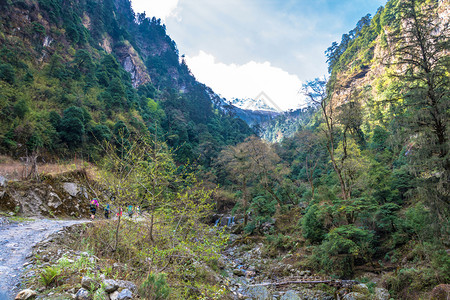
441	291
89	284
26	294
382	294
290	295
110	285
258	293
71	188
361	288
83	294
355	296
239	272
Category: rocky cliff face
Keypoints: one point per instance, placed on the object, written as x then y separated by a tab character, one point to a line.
62	195
132	63
365	81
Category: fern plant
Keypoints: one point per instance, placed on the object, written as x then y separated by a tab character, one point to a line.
49	275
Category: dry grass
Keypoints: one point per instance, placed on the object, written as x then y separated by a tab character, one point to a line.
16	170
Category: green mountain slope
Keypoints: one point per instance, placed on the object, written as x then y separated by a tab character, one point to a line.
73	73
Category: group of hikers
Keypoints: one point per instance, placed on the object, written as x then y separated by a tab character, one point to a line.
94	206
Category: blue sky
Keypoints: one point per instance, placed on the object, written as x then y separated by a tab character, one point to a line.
243	47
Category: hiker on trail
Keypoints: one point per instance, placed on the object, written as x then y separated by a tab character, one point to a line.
119	214
107	211
93	207
130	211
138	210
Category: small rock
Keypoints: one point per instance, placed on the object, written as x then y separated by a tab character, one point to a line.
110	285
382	294
89	283
239	272
82	294
290	295
2	181
259	293
124	284
305	273
125	294
26	294
114	296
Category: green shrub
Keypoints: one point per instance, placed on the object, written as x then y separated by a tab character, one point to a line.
7	73
341	248
312	226
155	287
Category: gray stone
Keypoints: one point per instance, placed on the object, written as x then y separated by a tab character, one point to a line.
110	285
71	188
239	272
125	294
382	294
290	295
54	200
305	273
114	296
258	293
89	283
82	294
123	284
361	288
2	181
26	294
354	296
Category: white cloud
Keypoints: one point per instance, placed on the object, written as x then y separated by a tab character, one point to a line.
157	8
247	80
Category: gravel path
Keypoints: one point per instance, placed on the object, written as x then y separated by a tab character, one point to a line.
16	242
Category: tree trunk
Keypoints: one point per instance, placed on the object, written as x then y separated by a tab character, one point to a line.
151	226
116	242
244	190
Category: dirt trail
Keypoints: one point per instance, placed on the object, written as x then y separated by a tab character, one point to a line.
16	242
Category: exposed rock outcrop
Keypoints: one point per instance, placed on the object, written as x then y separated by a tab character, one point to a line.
64	195
132	63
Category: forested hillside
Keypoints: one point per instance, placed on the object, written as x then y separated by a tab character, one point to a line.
75	73
367	179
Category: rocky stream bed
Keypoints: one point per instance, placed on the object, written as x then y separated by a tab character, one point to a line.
26	248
